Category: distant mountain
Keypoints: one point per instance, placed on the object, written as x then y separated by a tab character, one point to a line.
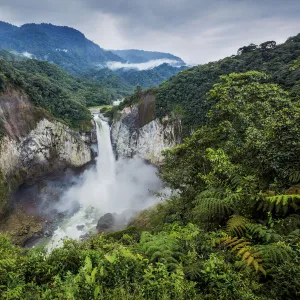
141	56
64	46
151	77
73	52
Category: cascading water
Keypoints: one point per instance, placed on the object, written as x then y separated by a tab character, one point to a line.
102	178
111	186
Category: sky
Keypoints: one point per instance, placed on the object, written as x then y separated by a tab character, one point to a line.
198	31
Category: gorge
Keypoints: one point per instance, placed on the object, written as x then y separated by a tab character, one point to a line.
71	202
122	188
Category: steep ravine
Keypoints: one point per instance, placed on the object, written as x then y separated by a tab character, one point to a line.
136	131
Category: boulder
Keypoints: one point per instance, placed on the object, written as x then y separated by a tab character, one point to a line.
106	222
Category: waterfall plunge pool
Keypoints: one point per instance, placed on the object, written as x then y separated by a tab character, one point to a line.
72	202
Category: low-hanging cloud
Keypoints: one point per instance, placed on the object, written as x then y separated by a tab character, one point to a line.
114	65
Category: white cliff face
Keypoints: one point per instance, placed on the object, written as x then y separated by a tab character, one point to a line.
147	141
47	147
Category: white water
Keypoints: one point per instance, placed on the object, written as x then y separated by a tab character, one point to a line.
111	186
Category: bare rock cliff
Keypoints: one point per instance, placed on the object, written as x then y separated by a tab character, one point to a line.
136	131
33	144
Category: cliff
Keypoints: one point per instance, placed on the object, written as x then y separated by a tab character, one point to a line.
32	143
136	131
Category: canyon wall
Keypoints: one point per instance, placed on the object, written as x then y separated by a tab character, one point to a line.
136	131
32	143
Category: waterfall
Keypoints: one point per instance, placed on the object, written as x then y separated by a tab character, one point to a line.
106	164
122	187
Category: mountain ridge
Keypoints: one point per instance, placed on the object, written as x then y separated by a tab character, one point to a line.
62	45
73	52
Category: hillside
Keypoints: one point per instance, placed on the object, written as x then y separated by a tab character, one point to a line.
141	56
52	89
190	87
151	77
72	51
118	86
62	45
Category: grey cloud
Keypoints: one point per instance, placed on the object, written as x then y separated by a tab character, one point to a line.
196	30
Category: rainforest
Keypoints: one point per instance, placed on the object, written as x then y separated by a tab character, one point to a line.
225	222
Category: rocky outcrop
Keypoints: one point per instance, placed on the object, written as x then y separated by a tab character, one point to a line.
105	222
32	143
136	132
49	146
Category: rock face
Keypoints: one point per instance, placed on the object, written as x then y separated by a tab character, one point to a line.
136	132
32	143
49	146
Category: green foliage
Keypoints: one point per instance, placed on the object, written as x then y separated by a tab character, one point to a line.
232	229
161	248
149	78
190	87
54	90
61	45
279	203
115	84
245	251
3	83
239	173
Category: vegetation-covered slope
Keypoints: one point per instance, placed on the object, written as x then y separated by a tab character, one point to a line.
61	45
52	89
69	49
111	80
232	231
151	77
189	88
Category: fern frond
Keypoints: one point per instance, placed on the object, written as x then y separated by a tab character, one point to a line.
236	225
161	248
212	193
276	253
244	250
278	203
212	208
263	233
295	176
293	238
193	271
236	181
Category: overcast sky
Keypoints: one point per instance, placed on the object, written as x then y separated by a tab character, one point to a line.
196	30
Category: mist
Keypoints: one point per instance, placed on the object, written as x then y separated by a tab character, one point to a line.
123	188
131	190
114	65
